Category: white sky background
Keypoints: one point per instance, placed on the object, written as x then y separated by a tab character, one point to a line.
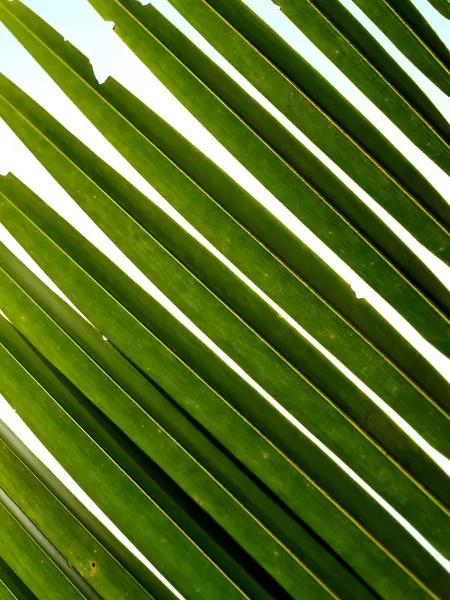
80	24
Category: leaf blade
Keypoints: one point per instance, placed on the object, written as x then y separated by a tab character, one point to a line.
388	15
428	377
34	567
81	550
110	311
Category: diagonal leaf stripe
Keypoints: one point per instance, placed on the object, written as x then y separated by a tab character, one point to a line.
11	586
174	60
275	432
426	375
110	487
205	314
280	333
32	565
157	42
78	547
79	582
339	35
379	332
23	353
389	16
244	420
49	437
443	6
422	29
251	353
365	173
183	472
98	428
317	215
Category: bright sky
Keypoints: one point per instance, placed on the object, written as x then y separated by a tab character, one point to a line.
80	24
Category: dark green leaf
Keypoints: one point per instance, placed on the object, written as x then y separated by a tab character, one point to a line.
421	28
225	285
340	36
110	488
210	458
31	564
443	6
11	587
102	316
161	447
388	16
84	555
174	60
